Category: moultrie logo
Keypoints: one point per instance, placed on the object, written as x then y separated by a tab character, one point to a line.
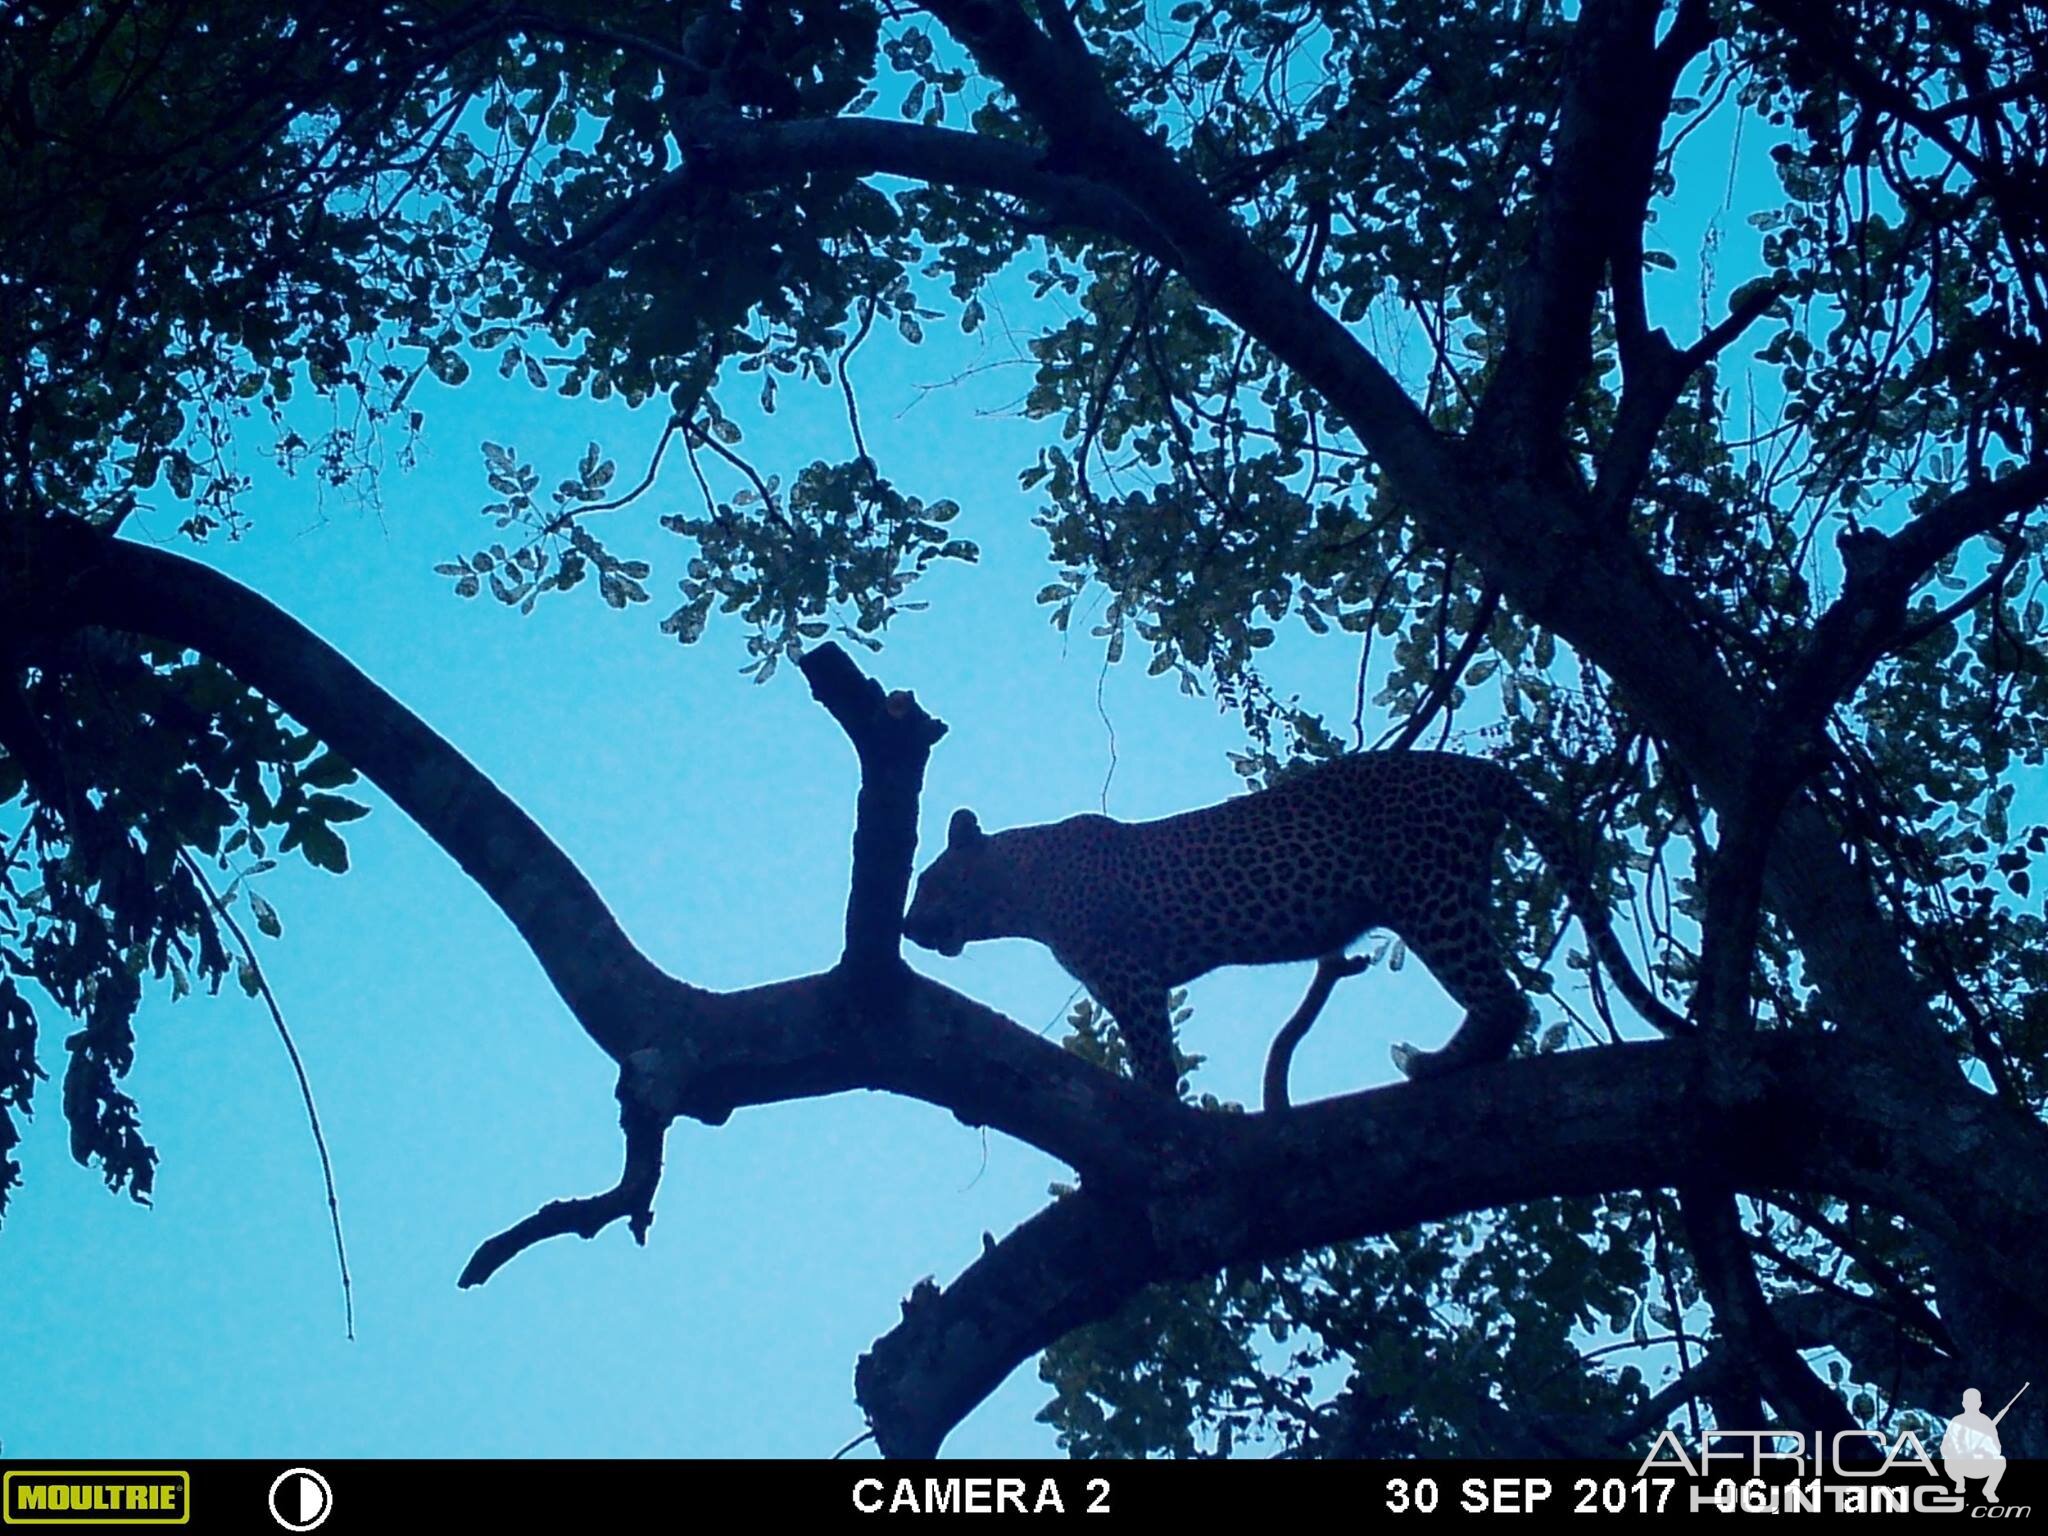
62	1497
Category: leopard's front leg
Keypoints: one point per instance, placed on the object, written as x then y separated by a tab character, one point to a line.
1139	1006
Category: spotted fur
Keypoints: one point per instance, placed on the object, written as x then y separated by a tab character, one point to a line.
1394	840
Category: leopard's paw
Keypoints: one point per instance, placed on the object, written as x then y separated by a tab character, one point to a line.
1417	1066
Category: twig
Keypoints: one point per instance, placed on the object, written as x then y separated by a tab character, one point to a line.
867	323
668	432
860	1439
269	997
1405	735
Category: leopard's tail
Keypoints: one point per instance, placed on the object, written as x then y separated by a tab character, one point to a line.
1555	849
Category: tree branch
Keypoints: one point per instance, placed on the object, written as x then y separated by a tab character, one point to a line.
1651	386
1817	32
1500	502
616	993
1603	157
1766	1109
1441	686
1167	1192
1721	1255
1876	1347
737	154
893	739
1206	243
1779	764
632	1197
692	1051
1865	623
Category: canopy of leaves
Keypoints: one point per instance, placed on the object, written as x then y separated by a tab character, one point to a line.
211	207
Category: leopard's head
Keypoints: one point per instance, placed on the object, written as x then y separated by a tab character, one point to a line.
963	895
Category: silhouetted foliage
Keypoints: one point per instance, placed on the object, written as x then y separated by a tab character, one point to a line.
1360	318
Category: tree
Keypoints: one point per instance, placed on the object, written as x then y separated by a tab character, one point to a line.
1775	641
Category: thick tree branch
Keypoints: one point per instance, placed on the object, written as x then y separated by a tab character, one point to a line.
616	993
1764	1110
1641	349
691	1051
1866	623
735	154
1779	763
1604	154
765	154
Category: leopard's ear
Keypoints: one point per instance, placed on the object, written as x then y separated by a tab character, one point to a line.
964	830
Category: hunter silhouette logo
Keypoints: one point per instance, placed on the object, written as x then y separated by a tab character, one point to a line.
1969	1447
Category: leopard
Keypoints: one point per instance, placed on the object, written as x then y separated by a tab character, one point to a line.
1400	840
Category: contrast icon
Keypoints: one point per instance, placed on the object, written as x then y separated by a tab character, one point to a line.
300	1499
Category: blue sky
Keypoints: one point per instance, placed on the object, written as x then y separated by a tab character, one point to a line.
457	1093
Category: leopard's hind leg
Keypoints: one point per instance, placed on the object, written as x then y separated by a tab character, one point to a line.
1465	957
